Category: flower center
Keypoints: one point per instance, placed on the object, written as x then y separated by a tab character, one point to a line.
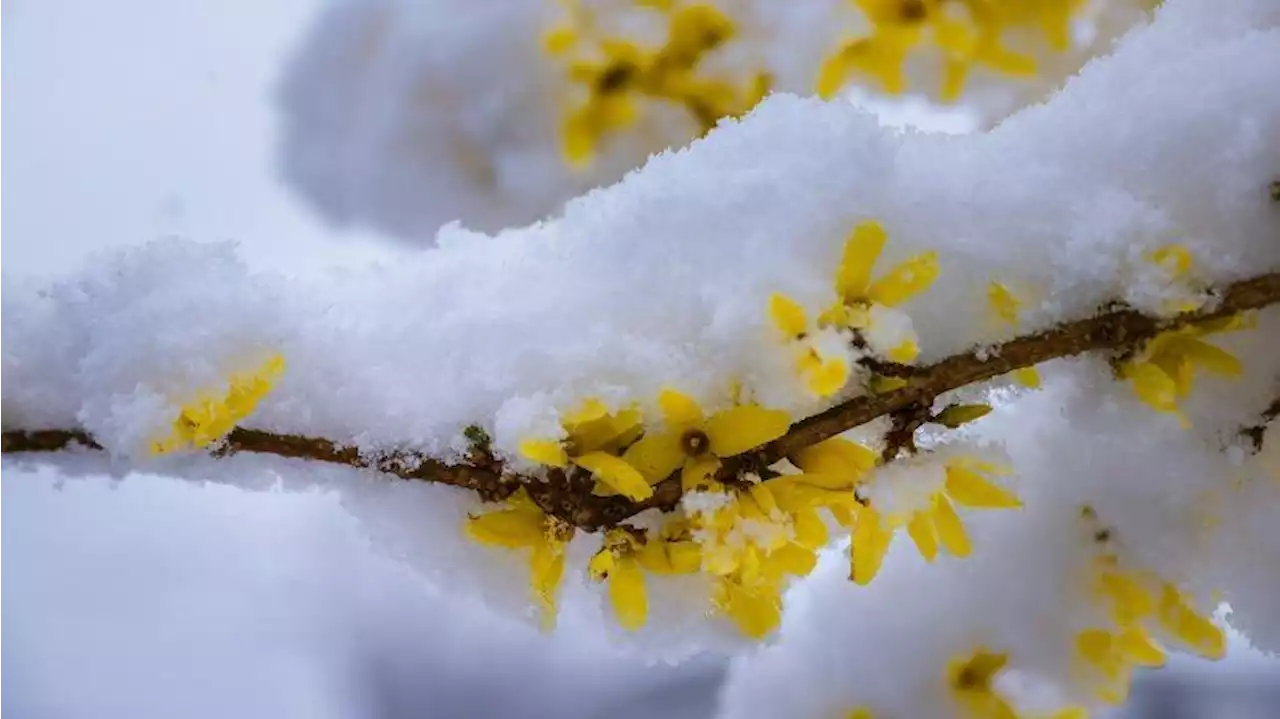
695	443
913	11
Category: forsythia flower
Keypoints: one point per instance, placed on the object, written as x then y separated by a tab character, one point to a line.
695	442
1162	373
1006	306
594	435
832	470
210	418
668	73
969	679
968	32
753	538
823	376
933	526
627	551
523	525
868	307
618	563
1138	603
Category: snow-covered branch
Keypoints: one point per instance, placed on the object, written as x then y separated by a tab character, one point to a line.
568	495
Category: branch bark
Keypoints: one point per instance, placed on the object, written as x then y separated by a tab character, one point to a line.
1110	330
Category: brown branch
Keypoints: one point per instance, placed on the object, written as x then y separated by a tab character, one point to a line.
568	496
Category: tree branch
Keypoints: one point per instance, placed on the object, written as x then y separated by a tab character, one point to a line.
566	497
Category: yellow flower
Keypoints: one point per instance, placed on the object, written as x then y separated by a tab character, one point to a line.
967	32
859	295
609	106
627	73
823	376
1139	603
594	435
210	418
1164	371
1006	307
618	563
969	679
523	525
695	442
934	526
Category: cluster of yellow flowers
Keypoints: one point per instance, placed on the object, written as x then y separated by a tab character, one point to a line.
625	72
1136	602
751	532
211	417
967	32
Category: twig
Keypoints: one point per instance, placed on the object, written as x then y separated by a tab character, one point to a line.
1110	330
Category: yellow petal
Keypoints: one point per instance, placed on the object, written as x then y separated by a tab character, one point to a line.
880	384
763	498
656	455
616	473
793	559
788	316
958	414
578	137
738	429
971	489
592	408
679	409
1095	646
558	40
1027	377
1213	359
955	74
1153	386
1138	648
924	534
699	473
685	556
905	281
828	377
860	713
904	353
836	457
512	528
1131	601
546	570
870	543
832	75
1198	633
950	529
861	250
545	451
756	613
601	565
627	594
811	531
1175	259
